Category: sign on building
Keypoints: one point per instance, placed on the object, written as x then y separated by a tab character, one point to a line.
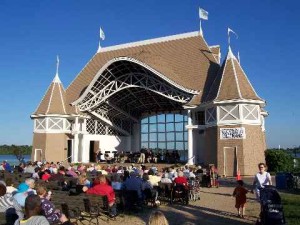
233	133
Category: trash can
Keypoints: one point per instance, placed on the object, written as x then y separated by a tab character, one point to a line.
280	179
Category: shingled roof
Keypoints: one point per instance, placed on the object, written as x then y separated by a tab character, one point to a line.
231	83
216	51
54	100
185	59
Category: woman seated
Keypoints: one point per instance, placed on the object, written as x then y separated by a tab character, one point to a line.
148	192
165	179
103	189
180	180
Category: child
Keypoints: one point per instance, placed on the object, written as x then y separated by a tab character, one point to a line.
52	215
240	198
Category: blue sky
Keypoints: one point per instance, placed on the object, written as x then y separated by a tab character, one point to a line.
34	32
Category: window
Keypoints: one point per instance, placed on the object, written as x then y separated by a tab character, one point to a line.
165	132
200	118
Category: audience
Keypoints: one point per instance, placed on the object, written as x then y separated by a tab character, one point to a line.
10	206
33	212
145	181
9	186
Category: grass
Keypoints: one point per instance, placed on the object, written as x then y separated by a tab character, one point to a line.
291	207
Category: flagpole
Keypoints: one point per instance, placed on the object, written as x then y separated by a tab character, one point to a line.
57	64
99	47
201	32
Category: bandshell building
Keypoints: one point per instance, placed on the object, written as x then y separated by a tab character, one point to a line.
168	93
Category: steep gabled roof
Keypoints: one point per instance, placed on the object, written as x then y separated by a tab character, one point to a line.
185	59
54	100
231	83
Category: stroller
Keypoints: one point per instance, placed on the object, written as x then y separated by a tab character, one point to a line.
271	207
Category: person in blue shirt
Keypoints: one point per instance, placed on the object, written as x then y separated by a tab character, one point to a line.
7	166
21	194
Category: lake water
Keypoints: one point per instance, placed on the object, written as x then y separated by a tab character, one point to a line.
12	159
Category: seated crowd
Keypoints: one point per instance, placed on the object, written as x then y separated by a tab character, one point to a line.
30	202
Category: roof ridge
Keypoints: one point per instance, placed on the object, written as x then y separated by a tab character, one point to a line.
42	99
222	76
62	99
249	81
236	78
209	48
213	83
50	100
149	41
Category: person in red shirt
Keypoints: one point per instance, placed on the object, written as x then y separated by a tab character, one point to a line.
46	175
102	188
180	180
240	198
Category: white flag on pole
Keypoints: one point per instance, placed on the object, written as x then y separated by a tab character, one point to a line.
203	14
102	35
229	30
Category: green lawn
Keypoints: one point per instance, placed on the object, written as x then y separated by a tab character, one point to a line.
291	207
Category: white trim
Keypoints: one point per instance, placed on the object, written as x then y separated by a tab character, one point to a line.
62	99
222	76
229	112
106	65
214	46
43	97
239	101
250	82
58	115
52	131
50	100
236	79
150	41
237	122
35	151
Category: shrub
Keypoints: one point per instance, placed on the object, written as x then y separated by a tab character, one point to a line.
279	160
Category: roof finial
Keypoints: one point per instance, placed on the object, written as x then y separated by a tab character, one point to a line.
204	16
56	78
102	37
239	57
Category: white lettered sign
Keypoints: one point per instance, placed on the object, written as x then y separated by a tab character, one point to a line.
233	133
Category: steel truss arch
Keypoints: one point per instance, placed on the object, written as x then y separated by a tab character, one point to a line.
124	73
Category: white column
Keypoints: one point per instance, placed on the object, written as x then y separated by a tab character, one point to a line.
190	139
85	151
76	141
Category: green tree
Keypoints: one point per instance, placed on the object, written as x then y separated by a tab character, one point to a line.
279	160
